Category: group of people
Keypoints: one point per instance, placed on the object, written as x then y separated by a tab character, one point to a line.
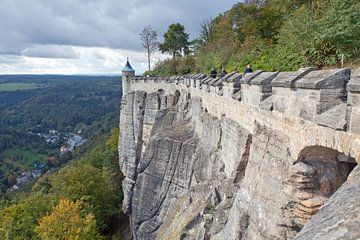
213	72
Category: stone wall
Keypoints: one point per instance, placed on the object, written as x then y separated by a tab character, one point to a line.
237	157
318	105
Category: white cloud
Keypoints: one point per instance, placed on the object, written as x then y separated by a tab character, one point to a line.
63	34
50	51
89	60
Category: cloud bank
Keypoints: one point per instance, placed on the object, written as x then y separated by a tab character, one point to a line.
89	36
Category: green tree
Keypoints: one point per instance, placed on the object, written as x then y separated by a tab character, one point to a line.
175	40
96	187
206	32
112	141
340	28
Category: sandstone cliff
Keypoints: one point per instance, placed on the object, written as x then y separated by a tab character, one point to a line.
253	157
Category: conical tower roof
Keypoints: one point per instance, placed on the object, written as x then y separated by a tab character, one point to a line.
128	67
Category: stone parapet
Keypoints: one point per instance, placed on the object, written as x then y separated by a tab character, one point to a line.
325	97
313	95
288	79
256	88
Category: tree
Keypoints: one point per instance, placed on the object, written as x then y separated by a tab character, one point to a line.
19	220
176	40
206	32
67	222
340	29
149	41
98	188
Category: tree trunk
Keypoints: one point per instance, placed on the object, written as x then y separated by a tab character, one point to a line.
174	63
149	58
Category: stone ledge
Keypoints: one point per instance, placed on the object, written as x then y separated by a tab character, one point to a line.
250	76
264	78
288	79
354	84
324	79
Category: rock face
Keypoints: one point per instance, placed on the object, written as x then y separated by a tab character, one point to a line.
239	158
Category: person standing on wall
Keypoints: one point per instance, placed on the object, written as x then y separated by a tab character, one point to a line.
248	69
213	73
223	72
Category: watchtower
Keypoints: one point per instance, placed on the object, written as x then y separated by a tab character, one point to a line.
126	73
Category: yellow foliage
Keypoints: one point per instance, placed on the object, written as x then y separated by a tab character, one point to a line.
67	222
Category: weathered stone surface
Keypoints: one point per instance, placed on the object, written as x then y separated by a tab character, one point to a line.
247	78
316	176
233	77
324	79
334	118
264	78
201	165
131	118
339	218
288	79
353	101
163	174
354	84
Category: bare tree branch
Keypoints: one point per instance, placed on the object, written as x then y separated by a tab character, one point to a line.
149	41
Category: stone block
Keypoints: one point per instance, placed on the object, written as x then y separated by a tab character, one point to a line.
354	121
354	84
334	118
263	78
288	79
329	98
324	79
249	76
234	77
253	94
229	76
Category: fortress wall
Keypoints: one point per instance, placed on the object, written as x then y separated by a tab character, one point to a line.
292	134
308	105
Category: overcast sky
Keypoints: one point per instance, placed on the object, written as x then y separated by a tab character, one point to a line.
90	36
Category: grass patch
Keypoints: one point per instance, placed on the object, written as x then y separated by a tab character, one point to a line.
8	87
17	158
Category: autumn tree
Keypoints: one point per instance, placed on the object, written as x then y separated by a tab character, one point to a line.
67	222
19	220
96	187
148	38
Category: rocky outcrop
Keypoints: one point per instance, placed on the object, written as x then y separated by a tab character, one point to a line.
339	217
205	162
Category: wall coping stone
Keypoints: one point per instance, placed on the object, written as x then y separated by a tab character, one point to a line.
354	83
249	76
288	79
234	77
263	78
324	79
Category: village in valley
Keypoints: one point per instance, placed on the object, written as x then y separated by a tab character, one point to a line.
71	142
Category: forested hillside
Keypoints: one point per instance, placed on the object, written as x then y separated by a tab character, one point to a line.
80	201
41	113
52	193
273	35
